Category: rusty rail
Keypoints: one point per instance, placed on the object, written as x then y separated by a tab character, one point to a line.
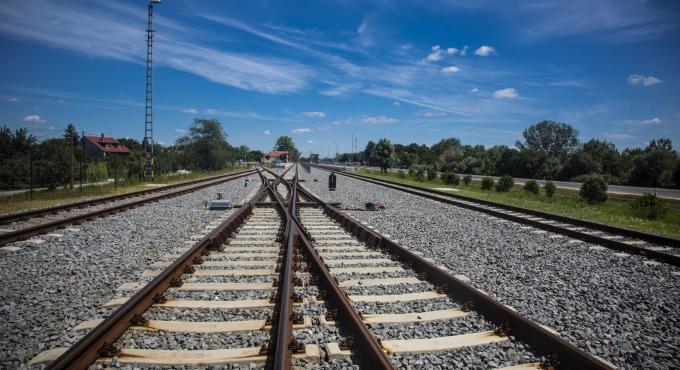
449	198
542	340
19	216
89	347
52	225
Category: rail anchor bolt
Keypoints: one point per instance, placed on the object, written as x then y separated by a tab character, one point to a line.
503	330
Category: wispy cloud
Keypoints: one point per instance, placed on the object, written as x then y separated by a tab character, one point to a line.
190	110
303	130
451	69
377	120
11	99
267	132
431	113
180	130
34	118
636	80
314	114
644	122
107	30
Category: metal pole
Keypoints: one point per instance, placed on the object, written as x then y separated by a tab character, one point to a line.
148	116
70	134
82	163
30	161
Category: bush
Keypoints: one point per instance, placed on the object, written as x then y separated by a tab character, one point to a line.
431	173
401	174
532	187
649	206
549	188
487	183
450	178
467	180
594	190
505	183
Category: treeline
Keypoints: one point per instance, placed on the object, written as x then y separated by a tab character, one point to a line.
48	162
550	150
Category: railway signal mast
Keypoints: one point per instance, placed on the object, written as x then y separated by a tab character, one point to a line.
148	120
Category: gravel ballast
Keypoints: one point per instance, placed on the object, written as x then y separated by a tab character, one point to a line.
622	308
56	282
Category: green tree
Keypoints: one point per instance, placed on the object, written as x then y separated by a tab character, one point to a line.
206	146
594	157
384	154
550	138
51	163
286	143
654	167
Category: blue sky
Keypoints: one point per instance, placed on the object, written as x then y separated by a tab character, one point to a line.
322	71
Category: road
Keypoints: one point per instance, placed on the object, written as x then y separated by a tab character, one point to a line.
612	189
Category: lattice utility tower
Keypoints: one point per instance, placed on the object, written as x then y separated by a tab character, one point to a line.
148	120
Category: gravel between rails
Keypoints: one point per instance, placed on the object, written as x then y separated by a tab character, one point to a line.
50	287
621	308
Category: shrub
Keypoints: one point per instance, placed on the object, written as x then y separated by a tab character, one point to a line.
431	173
401	174
505	183
649	206
467	180
594	190
487	183
532	187
450	178
549	188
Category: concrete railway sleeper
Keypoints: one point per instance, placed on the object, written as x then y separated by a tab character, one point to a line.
661	248
27	224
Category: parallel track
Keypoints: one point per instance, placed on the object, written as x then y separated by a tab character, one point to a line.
269	232
664	249
30	223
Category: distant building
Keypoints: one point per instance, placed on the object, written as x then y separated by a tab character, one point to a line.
314	158
276	156
100	146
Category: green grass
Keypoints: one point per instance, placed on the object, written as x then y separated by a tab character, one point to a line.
46	198
616	211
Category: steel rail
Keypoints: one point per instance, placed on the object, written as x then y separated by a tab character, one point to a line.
285	346
366	346
52	225
86	351
19	216
542	340
448	198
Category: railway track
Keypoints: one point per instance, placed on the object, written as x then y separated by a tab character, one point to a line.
661	248
237	297
23	225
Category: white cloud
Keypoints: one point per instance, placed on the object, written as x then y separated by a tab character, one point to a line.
451	51
34	118
464	50
304	130
314	114
107	29
189	110
211	111
508	93
644	122
451	69
474	90
652	121
12	99
180	131
635	80
432	113
396	103
436	54
310	141
267	132
485	51
378	120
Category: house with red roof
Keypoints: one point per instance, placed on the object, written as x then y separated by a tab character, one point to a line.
276	156
101	146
